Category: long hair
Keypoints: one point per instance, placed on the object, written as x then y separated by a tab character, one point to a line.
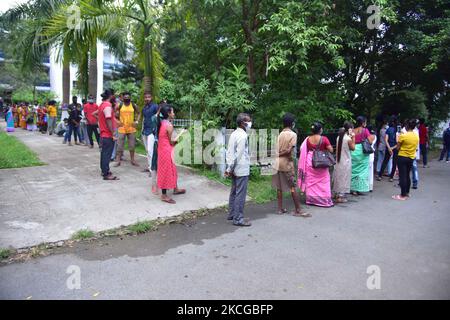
163	114
342	132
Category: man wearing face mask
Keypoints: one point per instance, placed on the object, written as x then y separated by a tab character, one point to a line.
238	168
91	122
128	120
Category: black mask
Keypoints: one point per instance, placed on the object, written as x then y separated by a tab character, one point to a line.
127	101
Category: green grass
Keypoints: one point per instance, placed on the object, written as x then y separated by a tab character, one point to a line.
141	227
15	154
4	253
83	234
259	187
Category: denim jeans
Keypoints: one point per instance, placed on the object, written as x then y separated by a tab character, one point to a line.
105	155
113	155
381	155
415	174
76	132
445	151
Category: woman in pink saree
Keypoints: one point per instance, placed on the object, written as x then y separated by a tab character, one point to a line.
314	182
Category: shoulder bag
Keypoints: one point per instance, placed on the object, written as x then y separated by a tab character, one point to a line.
322	159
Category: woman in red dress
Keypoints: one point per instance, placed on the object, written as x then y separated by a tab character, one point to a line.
166	169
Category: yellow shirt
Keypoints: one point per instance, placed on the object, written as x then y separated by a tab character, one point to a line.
51	111
409	142
127	119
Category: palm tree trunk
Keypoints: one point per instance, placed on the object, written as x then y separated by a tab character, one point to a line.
93	70
148	64
66	81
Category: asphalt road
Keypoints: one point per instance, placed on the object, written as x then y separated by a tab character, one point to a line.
279	257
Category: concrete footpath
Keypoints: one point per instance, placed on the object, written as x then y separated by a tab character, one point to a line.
51	202
327	256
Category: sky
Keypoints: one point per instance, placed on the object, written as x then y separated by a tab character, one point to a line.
7	4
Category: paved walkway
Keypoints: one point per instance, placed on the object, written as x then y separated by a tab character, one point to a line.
51	202
279	257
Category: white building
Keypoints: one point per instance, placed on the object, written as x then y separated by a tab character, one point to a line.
106	63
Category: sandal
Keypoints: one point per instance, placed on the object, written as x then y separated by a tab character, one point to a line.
399	197
110	177
170	200
134	163
282	211
301	214
341	200
179	191
243	224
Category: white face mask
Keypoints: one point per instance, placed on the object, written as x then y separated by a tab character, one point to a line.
248	125
293	125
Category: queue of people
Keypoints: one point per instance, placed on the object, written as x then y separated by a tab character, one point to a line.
353	165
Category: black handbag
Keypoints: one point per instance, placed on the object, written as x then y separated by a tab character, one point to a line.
322	159
367	147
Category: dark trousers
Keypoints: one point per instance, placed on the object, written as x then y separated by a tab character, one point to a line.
387	156
105	156
404	171
76	132
424	152
445	152
237	198
93	128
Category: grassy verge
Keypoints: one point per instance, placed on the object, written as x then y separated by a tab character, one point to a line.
15	154
259	187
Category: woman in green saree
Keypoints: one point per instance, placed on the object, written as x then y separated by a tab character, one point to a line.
360	160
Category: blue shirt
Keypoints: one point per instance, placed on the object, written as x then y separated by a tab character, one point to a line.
391	132
147	125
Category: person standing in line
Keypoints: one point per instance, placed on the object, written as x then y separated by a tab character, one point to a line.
52	114
342	174
424	141
445	145
414	169
391	150
372	159
382	147
128	119
407	143
74	121
107	125
148	130
92	124
238	168
360	160
284	178
83	124
167	170
315	182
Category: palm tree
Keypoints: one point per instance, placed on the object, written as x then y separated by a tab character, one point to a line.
140	18
83	38
30	44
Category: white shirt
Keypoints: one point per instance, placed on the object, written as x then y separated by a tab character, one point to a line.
238	159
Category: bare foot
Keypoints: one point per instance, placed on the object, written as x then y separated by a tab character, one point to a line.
134	163
117	164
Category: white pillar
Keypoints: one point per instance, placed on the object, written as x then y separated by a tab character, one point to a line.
99	71
55	75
